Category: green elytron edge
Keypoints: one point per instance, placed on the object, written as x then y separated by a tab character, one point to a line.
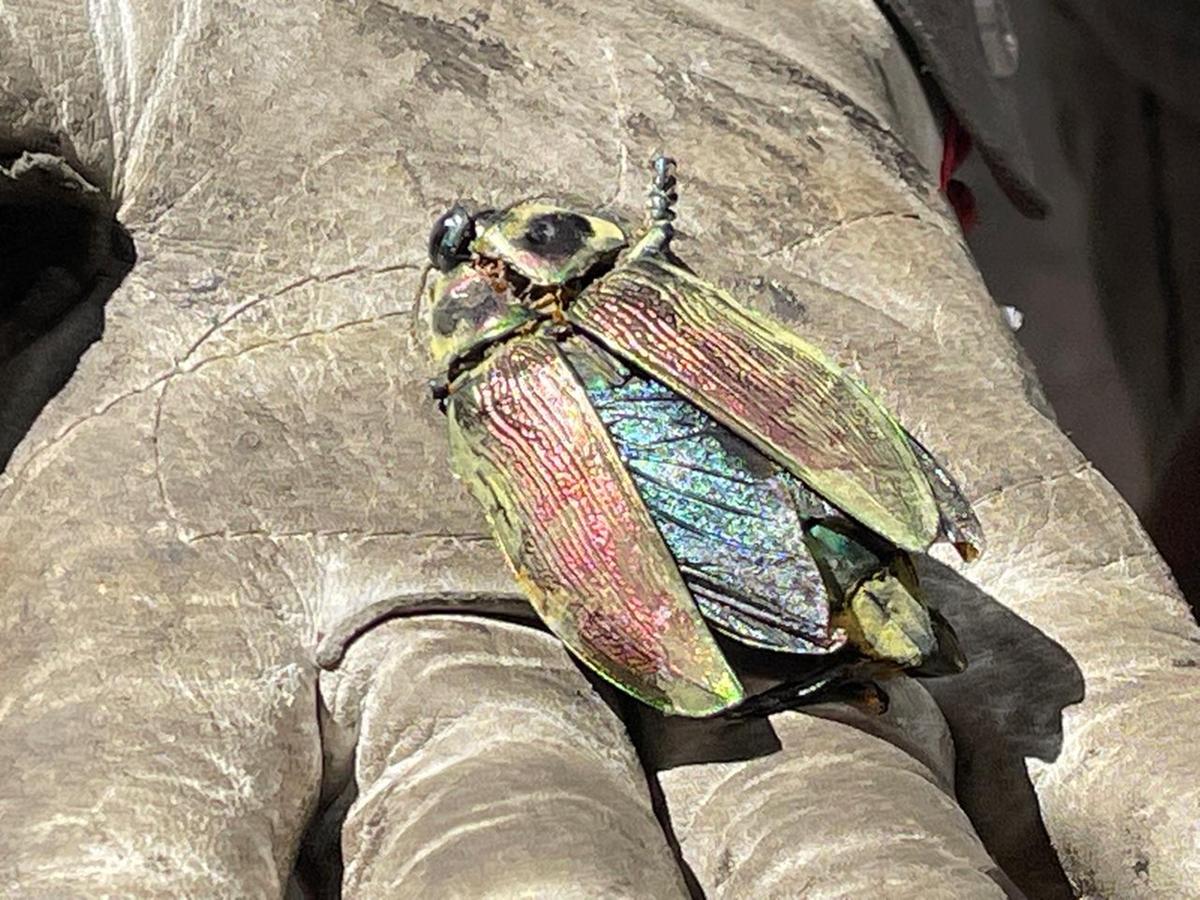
656	459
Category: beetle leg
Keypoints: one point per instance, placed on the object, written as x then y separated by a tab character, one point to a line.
441	390
550	304
852	683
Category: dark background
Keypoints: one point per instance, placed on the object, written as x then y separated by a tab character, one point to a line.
1109	96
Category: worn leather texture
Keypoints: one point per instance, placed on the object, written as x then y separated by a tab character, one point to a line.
249	462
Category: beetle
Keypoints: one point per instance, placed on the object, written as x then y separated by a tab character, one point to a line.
659	462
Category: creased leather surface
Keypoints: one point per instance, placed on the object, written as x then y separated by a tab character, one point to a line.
249	458
459	753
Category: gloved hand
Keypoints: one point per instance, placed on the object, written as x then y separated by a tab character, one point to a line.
246	477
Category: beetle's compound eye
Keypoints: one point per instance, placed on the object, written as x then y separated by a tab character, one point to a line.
450	240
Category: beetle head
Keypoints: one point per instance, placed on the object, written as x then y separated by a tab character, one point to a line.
469	306
490	261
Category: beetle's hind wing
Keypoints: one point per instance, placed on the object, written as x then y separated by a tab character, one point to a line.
526	441
959	523
732	519
766	384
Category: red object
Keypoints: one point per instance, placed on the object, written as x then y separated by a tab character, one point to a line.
956	147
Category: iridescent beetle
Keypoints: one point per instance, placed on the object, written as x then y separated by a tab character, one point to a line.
652	455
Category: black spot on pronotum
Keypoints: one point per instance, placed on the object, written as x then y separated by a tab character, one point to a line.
555	235
473	303
445	316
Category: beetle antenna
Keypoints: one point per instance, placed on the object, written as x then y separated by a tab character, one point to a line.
662	198
415	325
660	208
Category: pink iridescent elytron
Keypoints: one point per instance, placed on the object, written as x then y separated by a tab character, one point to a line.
769	386
530	446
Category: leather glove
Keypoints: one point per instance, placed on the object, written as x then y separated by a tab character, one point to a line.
206	534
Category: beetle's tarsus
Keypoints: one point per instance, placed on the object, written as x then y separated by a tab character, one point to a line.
863	694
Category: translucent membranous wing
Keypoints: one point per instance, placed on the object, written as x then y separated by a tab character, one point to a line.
733	519
767	385
959	522
526	441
